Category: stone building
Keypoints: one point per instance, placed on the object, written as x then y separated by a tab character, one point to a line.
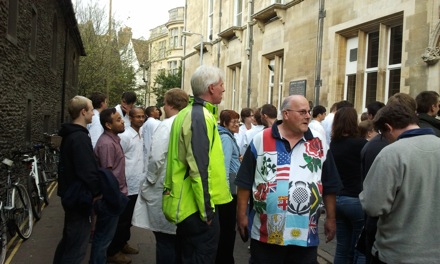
165	50
40	46
327	50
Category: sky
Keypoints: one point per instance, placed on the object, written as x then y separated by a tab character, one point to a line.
140	15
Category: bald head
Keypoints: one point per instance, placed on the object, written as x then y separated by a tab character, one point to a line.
293	100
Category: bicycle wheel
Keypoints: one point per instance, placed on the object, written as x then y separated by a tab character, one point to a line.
22	211
43	185
51	164
35	199
3	238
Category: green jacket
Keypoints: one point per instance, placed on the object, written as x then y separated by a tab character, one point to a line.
195	180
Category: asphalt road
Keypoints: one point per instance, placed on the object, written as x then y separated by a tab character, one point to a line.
40	247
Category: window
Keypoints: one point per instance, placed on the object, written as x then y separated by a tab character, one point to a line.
350	70
12	21
33	41
238	12
394	61
382	68
275	81
174	38
210	18
235	89
162	49
173	68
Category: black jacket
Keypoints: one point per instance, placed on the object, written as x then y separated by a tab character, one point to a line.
77	160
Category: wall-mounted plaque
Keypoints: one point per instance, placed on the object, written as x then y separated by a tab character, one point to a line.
298	87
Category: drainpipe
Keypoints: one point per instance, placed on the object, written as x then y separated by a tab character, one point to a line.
318	81
249	51
184	47
219	30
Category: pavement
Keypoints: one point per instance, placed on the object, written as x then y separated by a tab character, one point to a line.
40	247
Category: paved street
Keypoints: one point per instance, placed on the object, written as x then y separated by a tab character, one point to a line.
40	247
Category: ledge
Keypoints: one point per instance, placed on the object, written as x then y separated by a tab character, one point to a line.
231	33
269	13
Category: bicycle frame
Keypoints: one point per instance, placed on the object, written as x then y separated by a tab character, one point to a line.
34	173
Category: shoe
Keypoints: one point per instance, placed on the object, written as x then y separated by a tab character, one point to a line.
129	250
119	258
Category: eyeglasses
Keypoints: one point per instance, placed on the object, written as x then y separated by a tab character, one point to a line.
301	112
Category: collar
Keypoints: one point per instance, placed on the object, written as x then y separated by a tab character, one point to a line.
416	132
112	136
276	133
213	109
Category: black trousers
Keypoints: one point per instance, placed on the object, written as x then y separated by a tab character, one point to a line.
227	218
196	240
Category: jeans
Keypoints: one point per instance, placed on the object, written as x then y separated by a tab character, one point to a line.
122	233
263	253
350	219
73	245
104	232
197	241
165	248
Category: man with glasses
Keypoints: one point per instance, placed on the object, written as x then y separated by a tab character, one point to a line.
289	173
402	187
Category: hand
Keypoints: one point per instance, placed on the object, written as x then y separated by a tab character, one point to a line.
242	226
329	229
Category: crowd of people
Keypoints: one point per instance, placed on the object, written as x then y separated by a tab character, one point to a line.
199	176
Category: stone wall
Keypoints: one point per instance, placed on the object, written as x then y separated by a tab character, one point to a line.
34	86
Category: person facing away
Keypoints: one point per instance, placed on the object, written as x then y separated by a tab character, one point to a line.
127	101
195	180
318	114
248	121
427	109
289	173
109	153
368	155
346	146
327	123
152	113
100	102
401	189
229	123
268	115
132	145
148	212
77	166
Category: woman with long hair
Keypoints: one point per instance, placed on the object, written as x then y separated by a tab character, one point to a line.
346	145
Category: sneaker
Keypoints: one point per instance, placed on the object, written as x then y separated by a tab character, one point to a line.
119	258
129	250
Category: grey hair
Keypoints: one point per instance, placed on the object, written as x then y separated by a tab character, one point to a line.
286	103
203	77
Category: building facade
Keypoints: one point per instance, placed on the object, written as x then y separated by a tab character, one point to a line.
360	51
40	46
165	50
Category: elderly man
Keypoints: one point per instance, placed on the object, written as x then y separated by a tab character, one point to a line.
402	188
289	173
195	180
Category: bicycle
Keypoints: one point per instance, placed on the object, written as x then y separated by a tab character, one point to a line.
37	180
15	211
50	156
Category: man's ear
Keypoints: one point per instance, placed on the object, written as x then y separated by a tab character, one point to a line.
389	128
108	125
